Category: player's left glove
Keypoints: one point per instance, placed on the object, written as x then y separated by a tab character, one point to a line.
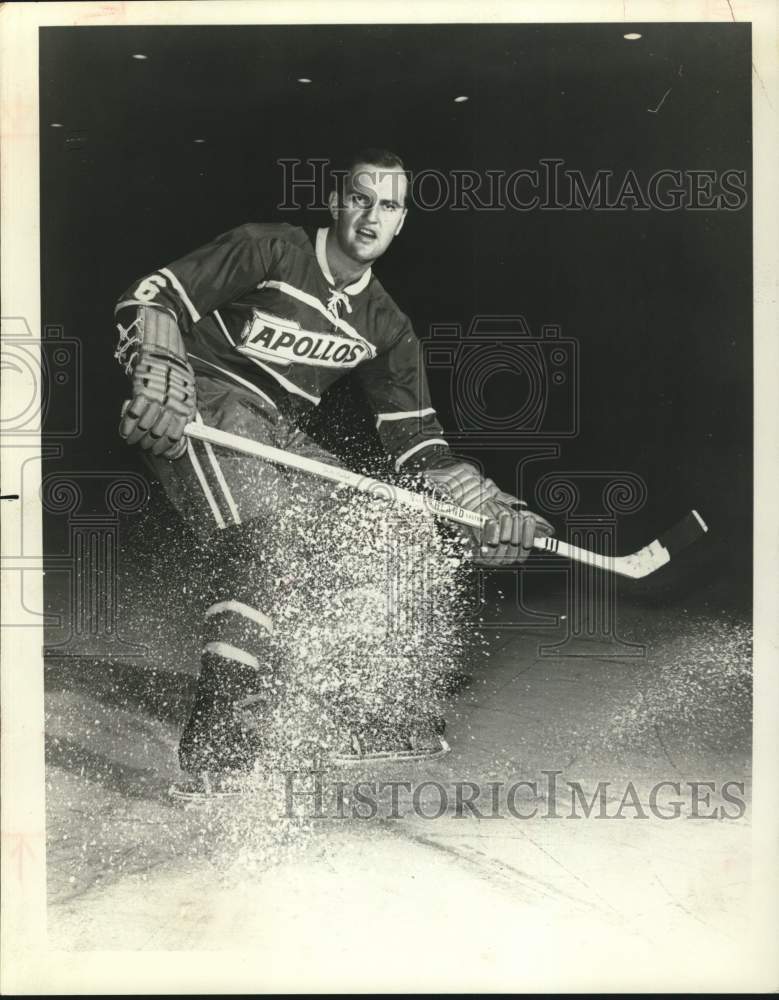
510	529
164	399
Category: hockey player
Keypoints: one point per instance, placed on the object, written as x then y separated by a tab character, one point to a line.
246	334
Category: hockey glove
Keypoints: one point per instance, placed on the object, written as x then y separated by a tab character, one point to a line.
510	529
163	400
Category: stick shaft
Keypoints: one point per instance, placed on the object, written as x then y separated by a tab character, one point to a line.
629	566
574	552
336	474
635	566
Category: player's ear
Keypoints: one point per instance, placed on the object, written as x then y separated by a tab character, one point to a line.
332	204
402	220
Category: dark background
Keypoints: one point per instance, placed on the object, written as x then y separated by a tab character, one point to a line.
660	303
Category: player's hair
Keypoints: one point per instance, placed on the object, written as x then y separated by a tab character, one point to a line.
373	156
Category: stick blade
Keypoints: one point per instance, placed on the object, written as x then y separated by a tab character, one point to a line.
687	531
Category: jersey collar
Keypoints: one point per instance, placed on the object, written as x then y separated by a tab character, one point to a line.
321	256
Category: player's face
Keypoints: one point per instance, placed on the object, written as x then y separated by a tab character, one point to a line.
371	213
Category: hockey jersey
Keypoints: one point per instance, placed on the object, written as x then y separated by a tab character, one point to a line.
258	307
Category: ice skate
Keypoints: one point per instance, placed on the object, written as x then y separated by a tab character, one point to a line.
219	759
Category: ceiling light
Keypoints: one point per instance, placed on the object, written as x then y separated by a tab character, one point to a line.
198	140
461	99
139	55
56	124
304	79
632	36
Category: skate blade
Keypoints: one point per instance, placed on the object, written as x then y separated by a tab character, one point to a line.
187	795
344	759
197	799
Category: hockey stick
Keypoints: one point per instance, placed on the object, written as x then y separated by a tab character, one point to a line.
636	565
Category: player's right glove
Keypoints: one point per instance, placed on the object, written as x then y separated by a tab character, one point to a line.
164	399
